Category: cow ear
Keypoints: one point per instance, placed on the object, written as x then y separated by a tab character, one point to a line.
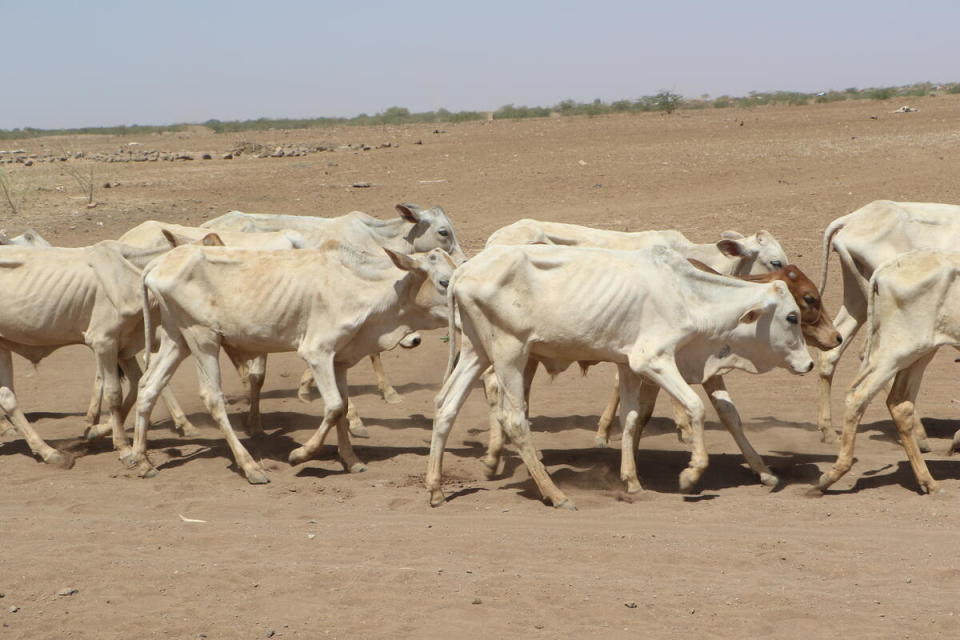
409	212
212	240
732	235
402	261
170	237
764	236
751	316
731	248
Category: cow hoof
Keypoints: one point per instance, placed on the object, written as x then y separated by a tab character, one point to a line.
632	486
688	480
298	455
390	396
567	504
601	443
814	492
186	430
828	436
357	467
257	477
306	394
149	471
359	431
436	498
490	469
769	480
59	459
923	445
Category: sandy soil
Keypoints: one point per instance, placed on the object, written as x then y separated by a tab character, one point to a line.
319	553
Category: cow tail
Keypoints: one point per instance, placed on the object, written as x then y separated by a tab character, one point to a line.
147	321
828	234
454	351
871	318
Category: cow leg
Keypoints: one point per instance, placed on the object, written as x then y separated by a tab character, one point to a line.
867	384
901	402
348	458
637	399
682	422
602	439
131	370
334	410
509	364
470	366
15	417
253	369
305	392
663	371
96	397
848	321
721	401
206	351
491	460
156	378
389	394
355	424
181	424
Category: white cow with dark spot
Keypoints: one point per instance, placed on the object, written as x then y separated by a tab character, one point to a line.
651	312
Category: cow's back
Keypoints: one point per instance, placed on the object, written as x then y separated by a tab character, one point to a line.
885	229
529	231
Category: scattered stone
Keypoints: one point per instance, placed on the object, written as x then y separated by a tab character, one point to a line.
477	601
13	609
28	163
206	156
311	536
630	605
269	633
68	592
361	185
227	156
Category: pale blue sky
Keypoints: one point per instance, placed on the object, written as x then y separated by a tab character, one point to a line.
108	62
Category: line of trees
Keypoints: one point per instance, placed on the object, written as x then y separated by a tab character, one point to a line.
664	101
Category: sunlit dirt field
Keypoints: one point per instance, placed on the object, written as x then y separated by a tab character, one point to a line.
319	553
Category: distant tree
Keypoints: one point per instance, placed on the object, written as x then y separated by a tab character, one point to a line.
667	101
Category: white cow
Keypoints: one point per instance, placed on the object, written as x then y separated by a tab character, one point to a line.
156	234
650	311
28	238
334	306
864	240
733	254
913	310
54	297
415	230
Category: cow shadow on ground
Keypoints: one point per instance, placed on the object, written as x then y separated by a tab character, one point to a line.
899	474
355	391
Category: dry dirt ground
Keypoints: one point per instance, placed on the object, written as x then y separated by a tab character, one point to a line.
319	553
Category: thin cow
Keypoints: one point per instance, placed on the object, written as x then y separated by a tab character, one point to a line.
334	306
914	309
863	240
649	311
416	229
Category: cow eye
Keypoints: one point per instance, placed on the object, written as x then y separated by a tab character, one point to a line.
792	317
444	284
776	264
809	299
443	233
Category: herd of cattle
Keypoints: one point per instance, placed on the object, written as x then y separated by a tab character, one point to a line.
668	312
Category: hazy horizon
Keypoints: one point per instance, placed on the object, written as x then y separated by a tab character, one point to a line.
110	63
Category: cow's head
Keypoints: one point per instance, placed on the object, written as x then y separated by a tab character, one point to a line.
432	229
815	322
432	272
758	253
777	338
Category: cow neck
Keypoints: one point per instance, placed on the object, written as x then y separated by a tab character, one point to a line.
396	234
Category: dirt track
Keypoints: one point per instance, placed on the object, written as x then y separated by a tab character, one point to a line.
872	559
